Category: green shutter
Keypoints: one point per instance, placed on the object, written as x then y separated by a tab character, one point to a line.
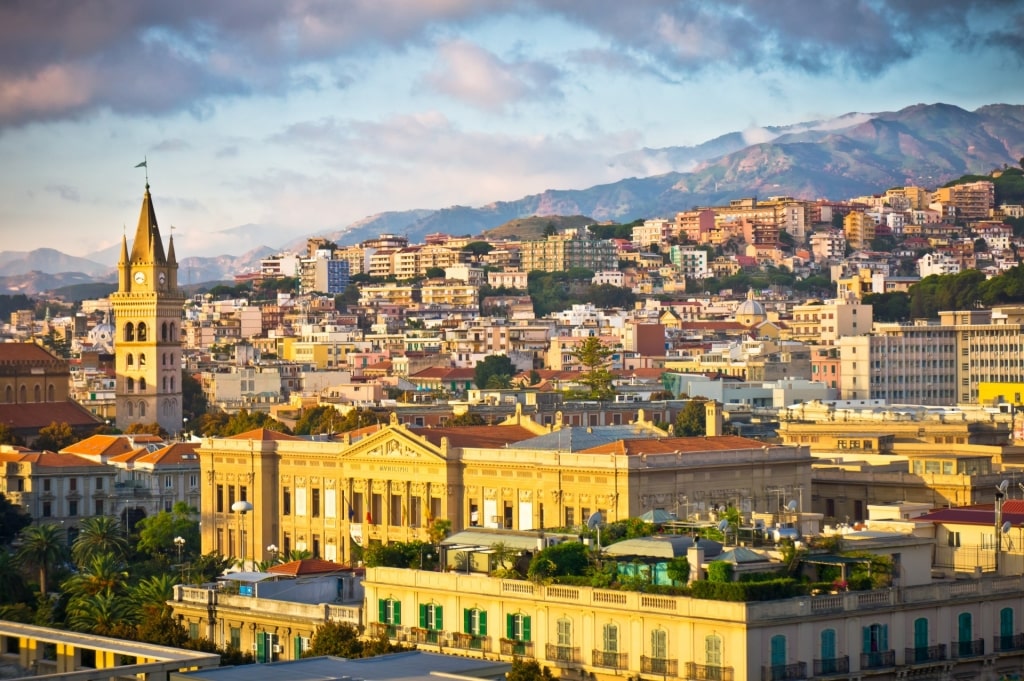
423	616
398	612
883	636
483	623
467	621
261	647
866	646
382	610
921	632
510	627
526	628
438	618
1006	622
297	644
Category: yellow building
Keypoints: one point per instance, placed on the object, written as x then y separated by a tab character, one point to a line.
389	483
859	229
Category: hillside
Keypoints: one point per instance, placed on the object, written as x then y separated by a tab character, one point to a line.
533	227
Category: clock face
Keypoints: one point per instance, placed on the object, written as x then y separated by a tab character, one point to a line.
140	277
162	278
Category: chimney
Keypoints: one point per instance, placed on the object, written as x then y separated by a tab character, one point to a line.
713	421
695	557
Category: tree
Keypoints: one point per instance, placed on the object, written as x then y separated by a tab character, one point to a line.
320	419
42	546
55	437
468	419
568	558
434	273
691	420
157	532
101	614
13	588
550	230
193	400
492	365
527	670
103	573
478	248
678	569
99	535
594	356
7	436
12	520
335	638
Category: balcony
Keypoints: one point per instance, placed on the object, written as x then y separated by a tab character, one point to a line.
511	646
964	649
425	636
878	660
784	672
610	660
563	654
1005	644
926	654
705	672
832	666
659	665
470	642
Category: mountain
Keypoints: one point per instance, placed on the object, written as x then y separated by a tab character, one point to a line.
855	154
46	261
32	283
222	267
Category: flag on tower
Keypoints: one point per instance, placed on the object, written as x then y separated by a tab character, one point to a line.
142	165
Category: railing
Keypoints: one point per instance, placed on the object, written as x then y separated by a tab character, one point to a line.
962	649
705	672
1002	644
385	629
604	658
925	654
659	665
832	665
518	648
878	660
784	672
563	654
470	642
428	636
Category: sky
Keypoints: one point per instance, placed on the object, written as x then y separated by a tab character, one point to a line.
302	116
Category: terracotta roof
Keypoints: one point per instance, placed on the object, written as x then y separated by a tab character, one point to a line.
101	445
306	566
263	435
40	414
669	445
174	454
475	436
981	514
25	352
48	459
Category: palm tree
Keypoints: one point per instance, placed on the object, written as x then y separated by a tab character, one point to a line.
101	613
41	547
104	573
12	584
154	592
100	534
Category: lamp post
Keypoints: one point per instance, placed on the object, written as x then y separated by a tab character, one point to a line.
179	544
424	550
272	550
241	508
184	429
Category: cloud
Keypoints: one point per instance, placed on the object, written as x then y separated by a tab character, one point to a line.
479	78
65	192
171	145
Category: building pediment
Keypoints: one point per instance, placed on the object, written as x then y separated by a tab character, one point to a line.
395	444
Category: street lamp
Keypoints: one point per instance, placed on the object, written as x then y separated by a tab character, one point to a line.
184	429
241	508
425	550
272	550
179	543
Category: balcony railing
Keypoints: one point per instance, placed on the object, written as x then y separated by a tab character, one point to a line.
707	672
427	636
962	649
518	648
832	665
784	672
604	658
878	660
659	665
926	654
563	654
1003	644
471	642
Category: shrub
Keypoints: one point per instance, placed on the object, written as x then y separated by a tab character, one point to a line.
720	571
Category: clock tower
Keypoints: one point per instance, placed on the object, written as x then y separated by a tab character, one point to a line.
148	311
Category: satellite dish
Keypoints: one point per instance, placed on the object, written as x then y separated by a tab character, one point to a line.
723	525
791	506
1002	486
595	520
1006	527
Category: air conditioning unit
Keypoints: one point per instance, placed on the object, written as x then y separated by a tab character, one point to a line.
276	648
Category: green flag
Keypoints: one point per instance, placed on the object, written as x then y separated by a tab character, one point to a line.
142	165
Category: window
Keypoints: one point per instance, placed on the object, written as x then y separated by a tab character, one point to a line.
659	644
778	650
193	630
517	627
570	517
46	485
236	638
953	539
389	611
964	633
921	632
713	651
220	498
142	332
474	621
315	503
431	617
828	645
564	629
47	509
168	482
286	501
72	508
610	638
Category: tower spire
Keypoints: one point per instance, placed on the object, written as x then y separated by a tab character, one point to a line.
148	247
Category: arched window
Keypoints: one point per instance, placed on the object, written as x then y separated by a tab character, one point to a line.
920	640
172	331
128	406
778	652
142	359
129	331
37	394
129	384
163	359
142	409
829	663
142	331
713	650
130	360
965	635
9	394
142	384
165	384
172	383
49	393
163	331
1005	639
875	646
23	394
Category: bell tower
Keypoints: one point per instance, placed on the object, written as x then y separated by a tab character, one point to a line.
147	318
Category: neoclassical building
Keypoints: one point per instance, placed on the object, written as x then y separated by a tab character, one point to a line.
388	483
148	310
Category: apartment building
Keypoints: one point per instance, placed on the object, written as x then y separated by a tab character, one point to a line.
651	233
826	322
564	251
969	201
692	263
859	228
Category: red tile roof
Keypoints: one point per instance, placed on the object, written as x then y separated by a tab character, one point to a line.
669	445
40	414
306	566
981	514
49	459
29	353
475	436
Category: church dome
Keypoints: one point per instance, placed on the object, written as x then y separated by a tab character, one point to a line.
101	336
750	307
